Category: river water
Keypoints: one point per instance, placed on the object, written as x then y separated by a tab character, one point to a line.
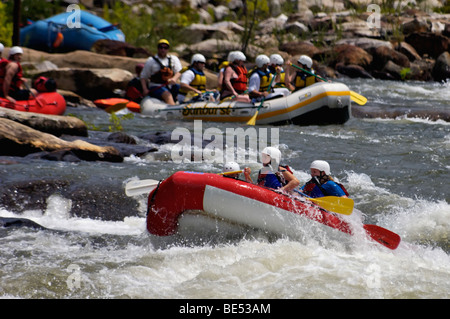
396	170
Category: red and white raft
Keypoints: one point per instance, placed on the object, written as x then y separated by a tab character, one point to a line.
245	204
51	103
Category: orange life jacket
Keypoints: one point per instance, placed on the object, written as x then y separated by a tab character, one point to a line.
240	83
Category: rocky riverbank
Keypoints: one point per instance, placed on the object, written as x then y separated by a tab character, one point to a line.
411	44
345	39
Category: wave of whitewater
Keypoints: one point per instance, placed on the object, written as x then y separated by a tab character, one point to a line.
121	260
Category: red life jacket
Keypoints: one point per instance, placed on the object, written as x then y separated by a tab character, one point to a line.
16	81
239	83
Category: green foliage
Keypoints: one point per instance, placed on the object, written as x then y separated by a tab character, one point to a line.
37	9
6	27
116	121
144	29
253	11
405	73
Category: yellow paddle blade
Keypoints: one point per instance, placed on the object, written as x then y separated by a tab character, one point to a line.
252	121
116	107
358	98
340	205
230	173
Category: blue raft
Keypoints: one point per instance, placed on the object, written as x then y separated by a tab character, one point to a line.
68	31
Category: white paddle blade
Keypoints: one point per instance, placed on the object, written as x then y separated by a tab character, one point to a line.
135	188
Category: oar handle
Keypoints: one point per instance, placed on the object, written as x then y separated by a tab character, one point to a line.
306	71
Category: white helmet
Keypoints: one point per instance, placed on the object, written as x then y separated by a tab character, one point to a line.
230	56
238	56
261	60
306	60
231	167
1	47
271	155
15	50
321	166
198	58
276	59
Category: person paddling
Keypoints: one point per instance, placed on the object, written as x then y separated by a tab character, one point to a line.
297	79
321	183
273	174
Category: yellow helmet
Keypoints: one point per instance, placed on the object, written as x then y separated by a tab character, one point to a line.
163	41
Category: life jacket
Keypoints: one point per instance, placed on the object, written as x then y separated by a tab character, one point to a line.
16	81
198	83
165	72
265	78
303	80
134	90
273	180
280	84
240	83
312	183
44	84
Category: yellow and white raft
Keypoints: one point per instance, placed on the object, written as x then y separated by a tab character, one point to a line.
322	103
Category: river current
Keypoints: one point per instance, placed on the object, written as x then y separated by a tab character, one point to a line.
396	170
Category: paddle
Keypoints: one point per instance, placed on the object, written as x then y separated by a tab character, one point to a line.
116	107
34	95
134	188
385	237
357	98
252	121
340	205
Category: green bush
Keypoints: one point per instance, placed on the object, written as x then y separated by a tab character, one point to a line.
6	27
144	29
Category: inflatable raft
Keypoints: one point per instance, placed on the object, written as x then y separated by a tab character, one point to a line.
246	204
51	103
319	104
68	31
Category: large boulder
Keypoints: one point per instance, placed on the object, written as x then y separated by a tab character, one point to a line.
428	43
383	54
90	83
53	124
20	140
119	48
300	47
80	59
441	69
349	54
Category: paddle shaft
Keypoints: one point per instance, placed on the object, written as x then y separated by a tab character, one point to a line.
32	93
310	73
358	98
252	121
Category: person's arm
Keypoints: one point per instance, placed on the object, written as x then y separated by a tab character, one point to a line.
187	78
229	72
11	70
293	182
176	70
289	76
145	75
247	172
